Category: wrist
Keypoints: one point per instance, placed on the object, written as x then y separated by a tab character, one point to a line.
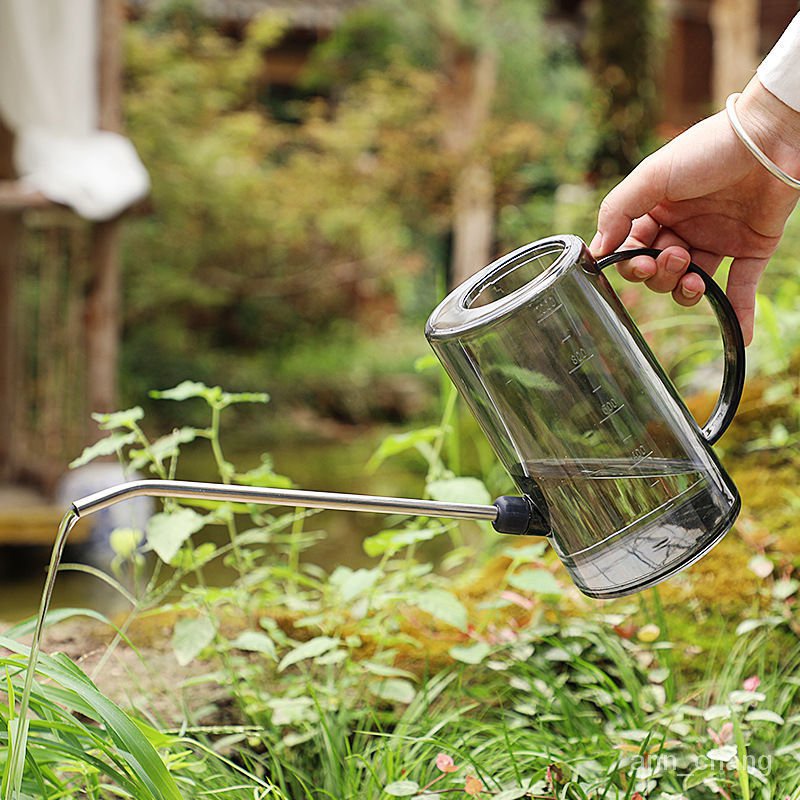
773	126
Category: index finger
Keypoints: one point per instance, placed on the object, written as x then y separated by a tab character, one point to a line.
635	196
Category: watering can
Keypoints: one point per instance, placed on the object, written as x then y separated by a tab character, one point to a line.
610	465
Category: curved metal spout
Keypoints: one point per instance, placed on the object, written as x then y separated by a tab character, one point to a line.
282	497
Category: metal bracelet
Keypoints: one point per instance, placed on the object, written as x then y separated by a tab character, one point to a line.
766	162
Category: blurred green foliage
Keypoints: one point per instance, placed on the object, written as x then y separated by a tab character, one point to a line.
265	234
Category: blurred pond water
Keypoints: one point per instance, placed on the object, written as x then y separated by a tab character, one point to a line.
321	465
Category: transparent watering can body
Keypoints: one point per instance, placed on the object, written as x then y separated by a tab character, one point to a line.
621	479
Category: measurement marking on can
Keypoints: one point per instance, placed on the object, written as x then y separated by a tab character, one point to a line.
629	436
643	458
608	416
596	389
581	363
654	483
568	336
550	313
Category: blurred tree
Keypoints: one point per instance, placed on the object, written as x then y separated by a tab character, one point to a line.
623	49
265	232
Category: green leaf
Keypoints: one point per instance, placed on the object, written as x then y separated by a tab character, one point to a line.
402	788
189	637
385	671
162	448
399	443
395	690
389	542
764	715
785	588
537	581
168	530
352	583
229	399
460	490
187	390
118	419
310	649
105	447
255	642
443	605
264	475
698	776
470	653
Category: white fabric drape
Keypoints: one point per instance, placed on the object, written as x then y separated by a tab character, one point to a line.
48	98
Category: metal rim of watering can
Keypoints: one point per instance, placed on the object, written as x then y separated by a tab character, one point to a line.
732	340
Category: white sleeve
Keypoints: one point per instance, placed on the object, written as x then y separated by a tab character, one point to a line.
780	71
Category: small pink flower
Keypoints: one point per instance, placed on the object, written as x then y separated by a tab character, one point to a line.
724	736
445	763
752	683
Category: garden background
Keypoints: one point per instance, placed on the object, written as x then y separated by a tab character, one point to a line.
315	190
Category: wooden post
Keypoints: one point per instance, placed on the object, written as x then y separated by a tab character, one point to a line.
102	314
735	31
10	228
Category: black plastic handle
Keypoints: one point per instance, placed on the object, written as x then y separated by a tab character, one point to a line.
732	339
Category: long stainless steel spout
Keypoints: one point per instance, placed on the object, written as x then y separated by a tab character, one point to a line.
282	497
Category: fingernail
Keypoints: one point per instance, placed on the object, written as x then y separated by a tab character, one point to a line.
675	264
642	273
688	293
596	245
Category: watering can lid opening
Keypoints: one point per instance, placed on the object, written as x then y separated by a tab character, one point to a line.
503	286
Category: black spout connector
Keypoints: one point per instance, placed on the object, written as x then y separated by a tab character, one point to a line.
518	515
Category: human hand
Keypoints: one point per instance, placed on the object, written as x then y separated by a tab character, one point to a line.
703	197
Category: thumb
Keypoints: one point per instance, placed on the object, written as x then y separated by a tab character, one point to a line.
741	290
639	193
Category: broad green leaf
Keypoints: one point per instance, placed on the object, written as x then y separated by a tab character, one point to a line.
167	531
188	389
460	490
785	588
443	605
118	419
105	447
189	637
352	583
310	649
264	475
698	776
724	753
764	715
395	690
255	642
538	581
470	653
385	671
399	443
392	541
402	788
162	448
